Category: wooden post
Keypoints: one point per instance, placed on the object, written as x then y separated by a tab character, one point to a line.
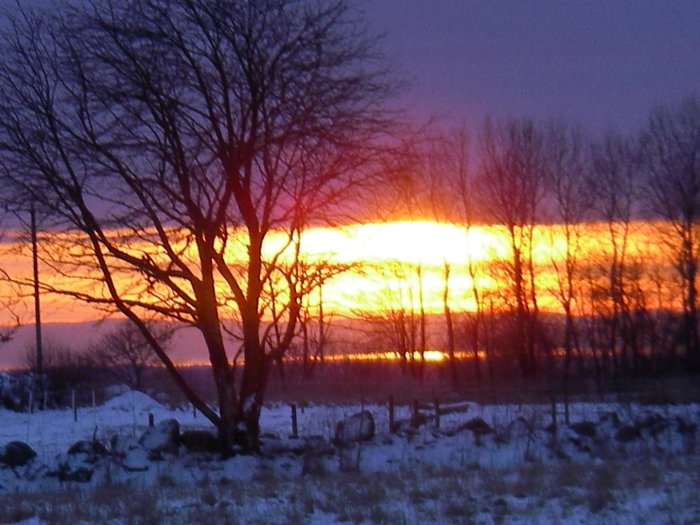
391	415
31	402
94	403
75	406
554	412
45	400
416	413
295	429
194	411
151	420
437	413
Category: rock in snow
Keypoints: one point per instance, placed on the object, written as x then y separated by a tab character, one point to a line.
135	460
164	437
75	467
121	445
200	441
358	427
80	462
17	454
91	448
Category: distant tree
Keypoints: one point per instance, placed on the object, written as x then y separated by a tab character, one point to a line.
183	146
395	324
567	176
512	179
615	186
9	303
408	194
464	188
670	145
11	294
450	196
63	369
125	354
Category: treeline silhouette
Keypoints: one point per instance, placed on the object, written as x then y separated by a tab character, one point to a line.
622	310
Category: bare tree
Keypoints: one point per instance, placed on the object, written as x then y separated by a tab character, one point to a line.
12	309
10	305
567	179
671	159
314	323
396	324
464	186
512	180
126	354
173	139
615	187
451	197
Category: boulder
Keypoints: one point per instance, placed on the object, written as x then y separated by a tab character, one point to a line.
316	450
200	441
584	428
651	421
91	448
418	419
405	427
121	445
136	460
358	427
611	418
628	433
164	437
684	427
75	467
17	454
80	462
478	426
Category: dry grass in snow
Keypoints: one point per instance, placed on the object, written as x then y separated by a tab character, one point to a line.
634	491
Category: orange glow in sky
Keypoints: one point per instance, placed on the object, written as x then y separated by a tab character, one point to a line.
394	262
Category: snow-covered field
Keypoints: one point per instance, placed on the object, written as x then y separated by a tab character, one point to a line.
490	464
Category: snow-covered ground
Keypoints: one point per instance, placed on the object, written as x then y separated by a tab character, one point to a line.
490	464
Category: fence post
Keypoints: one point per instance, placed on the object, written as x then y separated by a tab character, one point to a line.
194	411
295	430
45	400
437	413
75	406
415	418
31	402
391	415
151	420
94	402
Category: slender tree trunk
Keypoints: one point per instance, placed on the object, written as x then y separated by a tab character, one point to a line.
450	326
691	312
478	319
422	323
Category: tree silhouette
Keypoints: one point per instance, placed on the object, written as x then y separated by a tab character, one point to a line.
186	145
671	159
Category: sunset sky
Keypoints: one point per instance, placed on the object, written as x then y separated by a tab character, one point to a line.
598	62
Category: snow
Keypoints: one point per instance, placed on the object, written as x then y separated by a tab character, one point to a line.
132	401
622	463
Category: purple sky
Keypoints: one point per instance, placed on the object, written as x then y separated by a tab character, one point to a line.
601	63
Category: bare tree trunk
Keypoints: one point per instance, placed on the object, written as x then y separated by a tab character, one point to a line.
422	323
450	326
